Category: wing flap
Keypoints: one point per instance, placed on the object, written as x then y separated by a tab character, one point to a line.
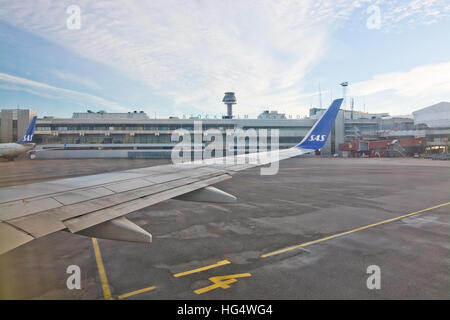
26	207
39	225
88	220
11	238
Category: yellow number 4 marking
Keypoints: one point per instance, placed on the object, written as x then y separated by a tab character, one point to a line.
222	282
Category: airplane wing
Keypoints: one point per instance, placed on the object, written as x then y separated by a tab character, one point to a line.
96	205
33	152
48	149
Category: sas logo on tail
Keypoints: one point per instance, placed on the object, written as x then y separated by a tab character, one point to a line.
28	138
318	137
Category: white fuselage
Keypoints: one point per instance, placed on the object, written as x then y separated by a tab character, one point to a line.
12	150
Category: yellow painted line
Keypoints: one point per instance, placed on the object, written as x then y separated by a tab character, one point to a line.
218	264
350	231
222	282
101	271
133	293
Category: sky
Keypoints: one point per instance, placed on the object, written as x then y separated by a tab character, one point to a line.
175	58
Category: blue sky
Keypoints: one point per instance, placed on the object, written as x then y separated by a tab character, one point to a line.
179	57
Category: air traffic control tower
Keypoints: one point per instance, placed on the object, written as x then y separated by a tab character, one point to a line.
229	100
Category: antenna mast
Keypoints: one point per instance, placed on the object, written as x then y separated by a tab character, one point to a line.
320	96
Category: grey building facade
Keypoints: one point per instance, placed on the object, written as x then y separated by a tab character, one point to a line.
135	135
13	123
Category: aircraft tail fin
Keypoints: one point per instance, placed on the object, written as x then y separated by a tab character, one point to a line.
317	137
28	136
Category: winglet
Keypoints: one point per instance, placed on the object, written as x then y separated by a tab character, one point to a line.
28	136
318	135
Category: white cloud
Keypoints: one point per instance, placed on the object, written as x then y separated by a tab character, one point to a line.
74	78
412	11
422	80
11	82
194	51
420	85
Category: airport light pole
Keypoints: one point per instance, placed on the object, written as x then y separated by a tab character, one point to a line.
344	93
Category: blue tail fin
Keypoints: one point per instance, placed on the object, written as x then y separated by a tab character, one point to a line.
318	135
28	136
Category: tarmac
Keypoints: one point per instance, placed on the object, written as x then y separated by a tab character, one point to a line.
316	230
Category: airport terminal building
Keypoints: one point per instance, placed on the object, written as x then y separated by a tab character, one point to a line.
135	135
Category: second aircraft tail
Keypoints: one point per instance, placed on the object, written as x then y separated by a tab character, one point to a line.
28	136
